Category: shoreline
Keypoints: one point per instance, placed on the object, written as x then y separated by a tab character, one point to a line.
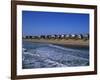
65	43
74	46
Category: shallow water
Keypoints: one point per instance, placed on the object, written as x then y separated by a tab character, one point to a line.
40	55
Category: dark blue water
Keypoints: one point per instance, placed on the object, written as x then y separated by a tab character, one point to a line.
40	55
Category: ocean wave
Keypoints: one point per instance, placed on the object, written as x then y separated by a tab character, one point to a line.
68	49
49	55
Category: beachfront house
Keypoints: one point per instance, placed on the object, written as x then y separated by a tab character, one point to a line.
38	37
62	36
27	37
67	36
43	37
73	36
34	37
80	36
23	37
86	36
56	36
48	36
59	36
30	37
52	36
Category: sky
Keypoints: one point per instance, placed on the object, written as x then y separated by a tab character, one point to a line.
47	23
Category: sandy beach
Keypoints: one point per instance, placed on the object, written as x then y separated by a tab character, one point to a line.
63	42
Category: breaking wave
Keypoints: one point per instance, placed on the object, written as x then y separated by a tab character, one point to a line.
38	55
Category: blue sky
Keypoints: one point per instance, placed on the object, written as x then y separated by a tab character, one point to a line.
44	23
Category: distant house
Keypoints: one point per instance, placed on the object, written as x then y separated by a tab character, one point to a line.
42	36
73	36
30	37
27	37
24	37
48	36
80	36
39	37
62	36
53	36
86	36
67	36
34	37
56	36
59	36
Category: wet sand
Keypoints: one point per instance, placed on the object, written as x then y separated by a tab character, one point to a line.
63	42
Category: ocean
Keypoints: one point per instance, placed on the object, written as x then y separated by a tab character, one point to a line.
45	55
